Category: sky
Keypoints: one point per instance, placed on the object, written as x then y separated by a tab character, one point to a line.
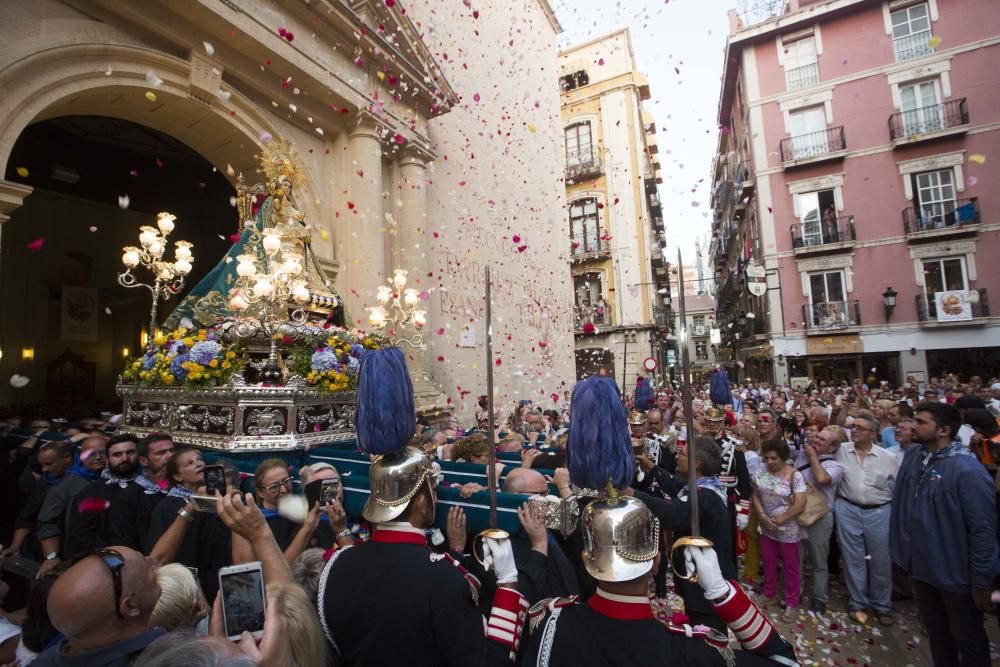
688	35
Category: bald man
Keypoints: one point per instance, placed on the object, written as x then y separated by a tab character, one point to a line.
102	606
544	571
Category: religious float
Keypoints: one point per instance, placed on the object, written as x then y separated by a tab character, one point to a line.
255	358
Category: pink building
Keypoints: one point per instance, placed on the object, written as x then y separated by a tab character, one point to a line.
857	176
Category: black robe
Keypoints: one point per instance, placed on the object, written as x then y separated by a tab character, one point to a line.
125	522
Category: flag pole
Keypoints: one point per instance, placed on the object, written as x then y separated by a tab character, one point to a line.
491	470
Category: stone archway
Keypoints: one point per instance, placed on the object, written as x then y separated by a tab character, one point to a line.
101	73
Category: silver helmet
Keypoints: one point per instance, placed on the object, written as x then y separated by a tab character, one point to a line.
621	538
394	479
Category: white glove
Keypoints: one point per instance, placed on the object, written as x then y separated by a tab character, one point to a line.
705	562
742	520
498	556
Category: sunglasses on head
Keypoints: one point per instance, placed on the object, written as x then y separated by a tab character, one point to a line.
114	561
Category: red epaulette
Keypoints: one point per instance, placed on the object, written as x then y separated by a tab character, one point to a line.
474	582
538	610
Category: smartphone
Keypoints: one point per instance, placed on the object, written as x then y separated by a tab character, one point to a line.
215	480
322	491
242	589
204	503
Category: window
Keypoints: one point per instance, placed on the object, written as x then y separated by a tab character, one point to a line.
585	227
944	275
801	69
698	322
934	194
579	148
590	304
921	107
828	308
700	350
911	32
818	212
808	130
574	80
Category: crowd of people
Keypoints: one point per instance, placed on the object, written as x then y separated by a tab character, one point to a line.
115	542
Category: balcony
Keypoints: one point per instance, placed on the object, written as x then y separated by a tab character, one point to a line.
802	77
913	46
823	235
821	318
930	122
947	218
590	250
594	316
828	144
656	254
954	308
583	165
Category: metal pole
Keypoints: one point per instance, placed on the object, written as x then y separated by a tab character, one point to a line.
491	470
686	398
150	344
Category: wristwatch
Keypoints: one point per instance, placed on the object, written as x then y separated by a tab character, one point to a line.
52	555
184	514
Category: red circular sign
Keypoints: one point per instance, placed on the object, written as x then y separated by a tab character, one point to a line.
649	364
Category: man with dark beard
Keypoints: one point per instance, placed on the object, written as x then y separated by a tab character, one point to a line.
115	508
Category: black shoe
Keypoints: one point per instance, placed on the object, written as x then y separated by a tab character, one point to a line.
818	607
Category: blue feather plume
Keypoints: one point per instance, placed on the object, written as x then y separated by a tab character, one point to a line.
385	419
600	444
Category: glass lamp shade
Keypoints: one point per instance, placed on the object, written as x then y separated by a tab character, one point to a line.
399	278
384	294
238	303
411	297
419	319
182	267
147	235
300	293
156	248
263	287
377	317
246	267
182	249
165	221
131	256
292	264
271	243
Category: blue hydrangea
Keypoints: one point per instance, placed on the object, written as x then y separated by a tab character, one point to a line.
176	367
204	351
353	364
357	350
148	360
323	360
175	347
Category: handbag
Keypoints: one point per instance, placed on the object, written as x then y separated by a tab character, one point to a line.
816	505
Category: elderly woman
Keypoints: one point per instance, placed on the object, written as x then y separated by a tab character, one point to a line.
779	497
819	467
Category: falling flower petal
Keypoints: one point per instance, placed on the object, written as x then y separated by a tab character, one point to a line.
934	41
153	80
123	201
22	172
977	158
209	49
36	245
265	137
294	508
93	228
93	505
19	381
150	95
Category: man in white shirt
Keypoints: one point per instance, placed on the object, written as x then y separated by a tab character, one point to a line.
862	511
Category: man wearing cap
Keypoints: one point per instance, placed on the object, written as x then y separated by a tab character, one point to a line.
734	475
618	625
390	600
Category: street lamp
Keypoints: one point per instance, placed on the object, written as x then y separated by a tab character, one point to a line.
889	298
168	276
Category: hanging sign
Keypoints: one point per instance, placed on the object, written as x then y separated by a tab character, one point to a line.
756	276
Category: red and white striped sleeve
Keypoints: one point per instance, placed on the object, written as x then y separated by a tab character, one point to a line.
506	622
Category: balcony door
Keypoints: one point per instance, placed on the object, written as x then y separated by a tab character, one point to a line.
943	274
921	107
818	211
808	132
911	32
579	145
590	304
585	226
828	305
935	195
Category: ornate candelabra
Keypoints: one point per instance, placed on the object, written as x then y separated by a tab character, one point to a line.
262	296
168	276
398	308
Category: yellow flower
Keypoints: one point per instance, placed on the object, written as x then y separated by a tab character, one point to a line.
214	363
188	341
159	338
225	364
202	334
230	355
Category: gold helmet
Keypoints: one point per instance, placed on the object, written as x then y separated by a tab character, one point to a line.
636	417
621	538
715	414
394	479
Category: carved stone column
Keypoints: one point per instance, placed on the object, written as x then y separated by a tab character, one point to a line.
364	264
412	255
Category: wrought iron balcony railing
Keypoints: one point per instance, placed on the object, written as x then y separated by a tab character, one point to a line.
823	232
913	46
958	311
813	145
933	118
802	77
583	164
597	316
941	215
830	315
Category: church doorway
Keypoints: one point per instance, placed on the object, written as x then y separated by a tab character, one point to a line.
67	324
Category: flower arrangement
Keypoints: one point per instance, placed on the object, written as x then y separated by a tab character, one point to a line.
330	361
187	358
